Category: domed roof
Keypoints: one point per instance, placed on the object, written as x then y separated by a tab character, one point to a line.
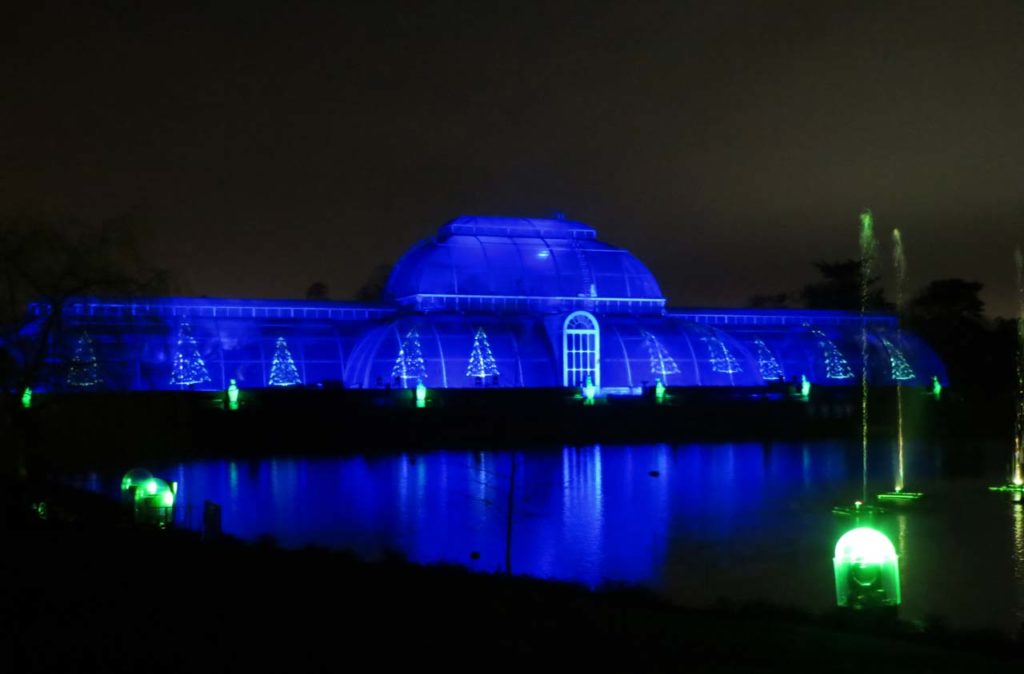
521	259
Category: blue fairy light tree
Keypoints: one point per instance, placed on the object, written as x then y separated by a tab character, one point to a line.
409	363
84	371
481	360
282	369
188	367
766	361
836	366
662	362
899	367
721	358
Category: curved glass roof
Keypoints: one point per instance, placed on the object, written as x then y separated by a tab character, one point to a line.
505	259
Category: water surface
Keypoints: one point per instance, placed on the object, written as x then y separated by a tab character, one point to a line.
697	522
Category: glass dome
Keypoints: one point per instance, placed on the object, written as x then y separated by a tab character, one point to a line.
521	259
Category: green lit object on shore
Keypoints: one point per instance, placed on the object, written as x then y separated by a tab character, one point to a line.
589	391
233	395
936	388
867	570
154	502
659	391
421	394
136	477
26	397
805	387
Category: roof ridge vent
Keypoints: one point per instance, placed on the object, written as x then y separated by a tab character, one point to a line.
543	228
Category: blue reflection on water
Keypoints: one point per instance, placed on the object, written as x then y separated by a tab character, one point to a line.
589	514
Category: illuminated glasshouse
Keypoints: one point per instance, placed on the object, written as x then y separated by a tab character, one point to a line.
486	302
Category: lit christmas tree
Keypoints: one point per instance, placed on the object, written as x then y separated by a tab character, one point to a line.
900	368
189	367
481	360
84	370
770	368
662	362
721	359
409	362
836	366
282	369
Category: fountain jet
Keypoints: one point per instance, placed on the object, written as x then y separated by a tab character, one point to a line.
1017	470
899	263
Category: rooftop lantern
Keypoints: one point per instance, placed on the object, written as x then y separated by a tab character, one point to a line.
867	571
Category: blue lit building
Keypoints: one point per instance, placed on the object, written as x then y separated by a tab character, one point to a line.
486	302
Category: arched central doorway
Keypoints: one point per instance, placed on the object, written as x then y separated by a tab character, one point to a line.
581	350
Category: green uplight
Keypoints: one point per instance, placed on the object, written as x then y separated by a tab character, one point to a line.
589	391
26	398
866	569
805	387
659	391
421	394
936	388
233	395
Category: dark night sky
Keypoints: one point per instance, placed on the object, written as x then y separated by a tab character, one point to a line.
728	144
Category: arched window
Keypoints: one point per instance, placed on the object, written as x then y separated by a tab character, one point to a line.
581	350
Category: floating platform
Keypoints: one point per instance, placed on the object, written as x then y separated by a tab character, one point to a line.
858	509
900	496
1011	488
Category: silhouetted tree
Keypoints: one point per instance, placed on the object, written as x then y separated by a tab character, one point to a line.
372	289
949	315
840	288
317	291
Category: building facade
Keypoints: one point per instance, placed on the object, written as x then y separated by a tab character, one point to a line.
486	302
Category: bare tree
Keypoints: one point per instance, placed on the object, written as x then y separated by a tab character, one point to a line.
47	263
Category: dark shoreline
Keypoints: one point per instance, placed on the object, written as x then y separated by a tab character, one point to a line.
112	430
87	591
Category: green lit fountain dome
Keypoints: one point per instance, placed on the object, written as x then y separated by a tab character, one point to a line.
516	259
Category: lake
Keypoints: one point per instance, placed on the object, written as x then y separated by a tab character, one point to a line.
697	522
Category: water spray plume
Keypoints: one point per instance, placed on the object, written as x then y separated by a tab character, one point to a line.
1018	439
899	262
867	254
1017	471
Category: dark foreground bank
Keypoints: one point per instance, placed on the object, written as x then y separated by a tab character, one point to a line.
84	591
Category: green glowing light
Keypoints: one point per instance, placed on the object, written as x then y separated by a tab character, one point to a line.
26	398
589	391
421	394
154	503
135	477
866	570
805	387
936	388
233	395
659	391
